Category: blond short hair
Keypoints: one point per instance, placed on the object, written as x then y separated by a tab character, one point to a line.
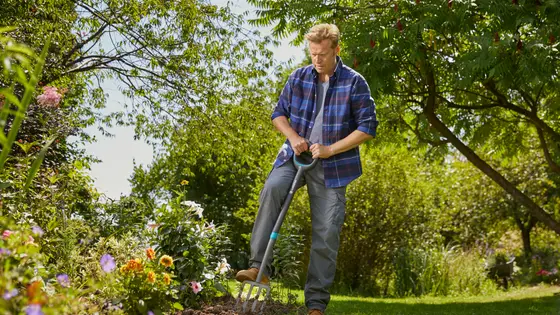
320	32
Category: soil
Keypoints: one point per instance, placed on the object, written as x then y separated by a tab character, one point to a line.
226	306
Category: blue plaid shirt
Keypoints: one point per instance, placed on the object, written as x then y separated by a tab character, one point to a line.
348	106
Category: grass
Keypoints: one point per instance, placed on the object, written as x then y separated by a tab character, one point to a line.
522	301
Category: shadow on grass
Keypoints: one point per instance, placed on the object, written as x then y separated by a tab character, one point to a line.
538	305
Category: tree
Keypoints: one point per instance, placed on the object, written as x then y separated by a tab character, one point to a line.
460	72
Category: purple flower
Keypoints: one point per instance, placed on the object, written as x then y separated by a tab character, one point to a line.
63	280
150	313
107	263
37	230
33	309
554	271
9	294
4	251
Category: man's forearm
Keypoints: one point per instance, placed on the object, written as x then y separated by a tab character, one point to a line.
282	124
353	140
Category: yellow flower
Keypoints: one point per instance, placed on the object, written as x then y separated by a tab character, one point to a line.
184	182
166	278
150	253
151	277
124	268
165	260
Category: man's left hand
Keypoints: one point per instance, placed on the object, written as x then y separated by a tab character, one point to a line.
320	151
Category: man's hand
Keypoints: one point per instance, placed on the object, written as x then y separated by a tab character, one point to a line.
299	145
320	151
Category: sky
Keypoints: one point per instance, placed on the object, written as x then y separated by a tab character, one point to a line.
118	153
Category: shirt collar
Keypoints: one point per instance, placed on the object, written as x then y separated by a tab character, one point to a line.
337	69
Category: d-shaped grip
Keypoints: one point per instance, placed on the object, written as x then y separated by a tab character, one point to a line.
305	161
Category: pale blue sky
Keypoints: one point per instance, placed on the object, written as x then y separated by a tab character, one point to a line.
118	153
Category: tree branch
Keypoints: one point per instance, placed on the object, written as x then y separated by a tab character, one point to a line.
502	100
553	166
96	36
454	105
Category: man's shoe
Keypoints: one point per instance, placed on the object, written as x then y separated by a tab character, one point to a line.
250	275
315	312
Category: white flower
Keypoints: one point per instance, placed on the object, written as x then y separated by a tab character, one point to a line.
194	206
223	266
209	276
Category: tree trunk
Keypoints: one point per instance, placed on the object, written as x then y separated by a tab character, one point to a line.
517	195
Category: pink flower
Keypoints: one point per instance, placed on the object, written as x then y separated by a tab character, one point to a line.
543	272
30	240
50	97
7	234
196	287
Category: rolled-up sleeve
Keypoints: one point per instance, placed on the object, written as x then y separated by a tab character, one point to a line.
363	107
283	106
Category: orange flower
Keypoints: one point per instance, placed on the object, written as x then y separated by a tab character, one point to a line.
151	277
35	293
134	265
166	278
150	253
165	260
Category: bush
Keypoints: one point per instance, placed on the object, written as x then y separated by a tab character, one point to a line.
198	249
440	271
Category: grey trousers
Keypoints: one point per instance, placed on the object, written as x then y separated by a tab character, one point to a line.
327	216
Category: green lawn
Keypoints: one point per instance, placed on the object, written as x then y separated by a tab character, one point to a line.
538	300
535	300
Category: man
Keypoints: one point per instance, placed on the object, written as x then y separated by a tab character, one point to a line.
331	105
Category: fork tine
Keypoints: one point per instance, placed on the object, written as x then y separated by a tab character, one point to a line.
254	307
265	299
247	298
239	295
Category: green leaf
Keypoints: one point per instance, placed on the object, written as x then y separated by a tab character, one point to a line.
178	306
37	163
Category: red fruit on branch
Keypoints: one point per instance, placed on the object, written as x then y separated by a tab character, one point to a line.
496	37
417	1
551	39
399	25
515	2
519	45
356	63
449	3
372	43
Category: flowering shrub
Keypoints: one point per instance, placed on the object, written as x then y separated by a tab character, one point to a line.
51	97
197	248
148	283
25	283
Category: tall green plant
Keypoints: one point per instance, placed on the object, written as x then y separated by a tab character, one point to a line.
21	66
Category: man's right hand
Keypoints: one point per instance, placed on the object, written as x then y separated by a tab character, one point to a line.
299	145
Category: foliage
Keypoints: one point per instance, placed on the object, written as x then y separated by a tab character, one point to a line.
286	263
383	215
27	282
440	272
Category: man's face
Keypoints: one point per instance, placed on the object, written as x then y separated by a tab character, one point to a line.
323	56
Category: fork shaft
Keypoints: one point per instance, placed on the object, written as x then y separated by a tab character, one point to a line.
274	235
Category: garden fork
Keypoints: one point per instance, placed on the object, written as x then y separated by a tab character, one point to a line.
257	284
